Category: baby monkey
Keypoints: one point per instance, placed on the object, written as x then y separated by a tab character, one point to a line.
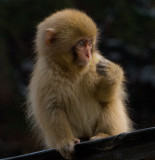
74	93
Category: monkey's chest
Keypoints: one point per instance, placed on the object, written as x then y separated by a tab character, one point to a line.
84	114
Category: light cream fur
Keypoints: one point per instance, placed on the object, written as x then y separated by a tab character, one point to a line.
67	101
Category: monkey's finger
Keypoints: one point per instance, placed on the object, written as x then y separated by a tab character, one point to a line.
102	71
76	140
104	62
67	151
100	64
98	136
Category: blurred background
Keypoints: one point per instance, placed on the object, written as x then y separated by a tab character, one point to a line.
127	37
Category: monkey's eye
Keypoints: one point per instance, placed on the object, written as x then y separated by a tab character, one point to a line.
81	43
90	43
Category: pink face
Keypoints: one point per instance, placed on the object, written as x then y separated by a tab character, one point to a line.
83	50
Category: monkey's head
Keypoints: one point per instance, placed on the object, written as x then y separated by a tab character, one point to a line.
68	36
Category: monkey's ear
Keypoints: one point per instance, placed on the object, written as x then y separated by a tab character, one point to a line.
50	36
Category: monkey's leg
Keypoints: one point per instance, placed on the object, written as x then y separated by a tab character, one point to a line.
112	121
55	127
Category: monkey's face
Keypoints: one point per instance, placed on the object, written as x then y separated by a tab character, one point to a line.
82	52
67	37
72	49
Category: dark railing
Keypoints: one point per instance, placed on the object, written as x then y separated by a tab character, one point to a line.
126	146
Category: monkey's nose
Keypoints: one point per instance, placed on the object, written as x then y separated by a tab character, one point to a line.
88	53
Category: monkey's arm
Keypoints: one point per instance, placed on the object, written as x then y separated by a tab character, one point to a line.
110	83
57	131
110	94
113	120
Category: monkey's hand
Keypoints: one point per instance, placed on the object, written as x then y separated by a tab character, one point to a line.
110	71
66	148
99	135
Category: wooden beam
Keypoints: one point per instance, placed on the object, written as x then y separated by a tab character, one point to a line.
126	146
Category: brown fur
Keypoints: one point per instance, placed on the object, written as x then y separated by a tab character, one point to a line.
68	101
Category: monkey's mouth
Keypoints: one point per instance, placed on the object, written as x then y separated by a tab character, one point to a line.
85	62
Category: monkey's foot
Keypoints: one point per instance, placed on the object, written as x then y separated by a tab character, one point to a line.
99	135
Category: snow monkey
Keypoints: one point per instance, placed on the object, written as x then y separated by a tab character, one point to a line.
74	93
